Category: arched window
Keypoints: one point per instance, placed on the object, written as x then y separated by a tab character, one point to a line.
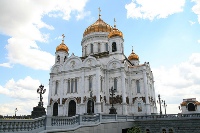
171	131
115	83
138	86
91	48
56	88
147	131
106	45
191	107
164	131
114	47
90	83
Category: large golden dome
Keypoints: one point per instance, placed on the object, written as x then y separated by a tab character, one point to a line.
133	56
98	26
115	32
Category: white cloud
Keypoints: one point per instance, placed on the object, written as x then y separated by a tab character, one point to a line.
22	21
196	8
27	52
191	22
152	9
179	82
23	94
6	65
198	41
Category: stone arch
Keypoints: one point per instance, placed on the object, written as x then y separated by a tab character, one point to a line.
56	68
113	64
90	61
90	106
73	62
72	108
191	107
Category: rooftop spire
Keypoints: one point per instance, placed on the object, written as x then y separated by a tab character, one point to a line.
99	12
63	38
132	49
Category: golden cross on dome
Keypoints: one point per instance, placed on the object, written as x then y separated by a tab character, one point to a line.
132	49
99	12
114	23
63	38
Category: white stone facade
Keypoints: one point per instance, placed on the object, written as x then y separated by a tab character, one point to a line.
103	65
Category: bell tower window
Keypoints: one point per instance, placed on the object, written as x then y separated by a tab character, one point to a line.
91	48
114	47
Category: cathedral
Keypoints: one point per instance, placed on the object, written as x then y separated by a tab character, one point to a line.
81	85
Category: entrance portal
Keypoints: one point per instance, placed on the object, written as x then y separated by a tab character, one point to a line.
55	109
90	106
72	108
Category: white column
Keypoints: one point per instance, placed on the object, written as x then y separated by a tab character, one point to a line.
146	93
98	86
124	105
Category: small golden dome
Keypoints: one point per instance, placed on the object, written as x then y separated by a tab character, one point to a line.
62	46
197	103
133	56
183	103
115	32
98	26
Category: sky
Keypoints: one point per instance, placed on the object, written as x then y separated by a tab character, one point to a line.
165	33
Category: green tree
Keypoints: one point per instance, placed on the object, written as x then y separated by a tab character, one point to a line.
134	130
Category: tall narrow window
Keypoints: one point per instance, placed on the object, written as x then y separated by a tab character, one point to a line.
114	47
106	46
75	85
68	89
115	83
56	88
90	83
72	85
99	47
85	50
138	86
91	48
101	84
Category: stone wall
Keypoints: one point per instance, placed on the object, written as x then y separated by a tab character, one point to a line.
178	126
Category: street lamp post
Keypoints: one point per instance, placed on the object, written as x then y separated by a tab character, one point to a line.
41	91
15	112
112	109
159	101
165	106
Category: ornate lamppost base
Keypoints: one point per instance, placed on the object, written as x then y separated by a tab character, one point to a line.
112	110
